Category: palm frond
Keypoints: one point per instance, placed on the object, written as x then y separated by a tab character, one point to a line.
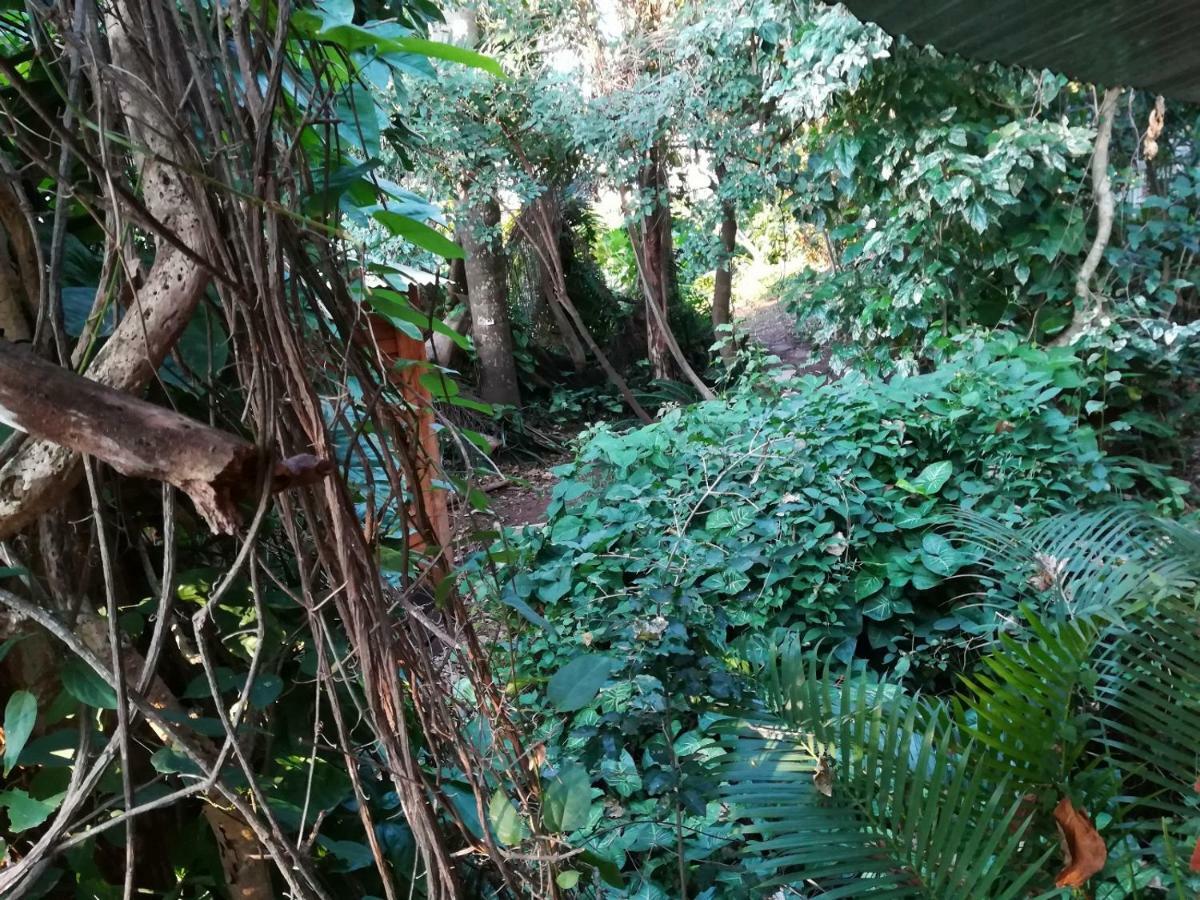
1089	562
1024	702
1148	688
907	813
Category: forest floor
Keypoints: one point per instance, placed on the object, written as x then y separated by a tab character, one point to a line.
522	499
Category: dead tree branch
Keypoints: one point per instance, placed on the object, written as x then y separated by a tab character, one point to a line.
137	438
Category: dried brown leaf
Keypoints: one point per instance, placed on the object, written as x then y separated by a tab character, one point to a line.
1085	850
823	776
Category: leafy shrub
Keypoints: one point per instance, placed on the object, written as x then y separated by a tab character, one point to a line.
804	506
1067	712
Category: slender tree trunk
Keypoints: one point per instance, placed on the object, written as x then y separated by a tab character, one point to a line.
487	296
657	254
1091	304
540	231
549	209
723	277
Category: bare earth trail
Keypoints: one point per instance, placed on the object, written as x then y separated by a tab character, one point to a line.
771	326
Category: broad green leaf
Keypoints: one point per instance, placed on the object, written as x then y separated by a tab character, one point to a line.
610	872
879	608
866	584
81	682
19	715
567	879
931	479
448	52
418	233
25	812
556	589
567	799
510	828
265	690
351	855
509	597
621	774
169	761
576	684
396	306
939	556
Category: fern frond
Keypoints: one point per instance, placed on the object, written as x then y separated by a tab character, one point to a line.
1090	562
909	815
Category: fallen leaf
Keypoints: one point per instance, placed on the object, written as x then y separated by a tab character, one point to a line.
823	776
1086	853
1050	571
537	756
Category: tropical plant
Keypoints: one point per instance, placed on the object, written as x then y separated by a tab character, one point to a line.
851	784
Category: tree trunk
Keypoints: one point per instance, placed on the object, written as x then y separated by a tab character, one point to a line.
723	277
1091	304
657	254
40	474
488	298
548	208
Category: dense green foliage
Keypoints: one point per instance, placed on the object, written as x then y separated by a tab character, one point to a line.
856	630
848	774
806	507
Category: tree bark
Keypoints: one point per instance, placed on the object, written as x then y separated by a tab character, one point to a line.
657	254
1091	305
40	473
20	275
548	232
723	277
663	328
488	298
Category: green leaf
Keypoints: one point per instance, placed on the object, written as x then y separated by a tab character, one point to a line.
866	584
418	233
169	761
576	684
939	556
25	812
395	305
931	480
567	800
19	716
81	682
449	52
621	774
265	690
509	826
567	879
351	855
610	872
